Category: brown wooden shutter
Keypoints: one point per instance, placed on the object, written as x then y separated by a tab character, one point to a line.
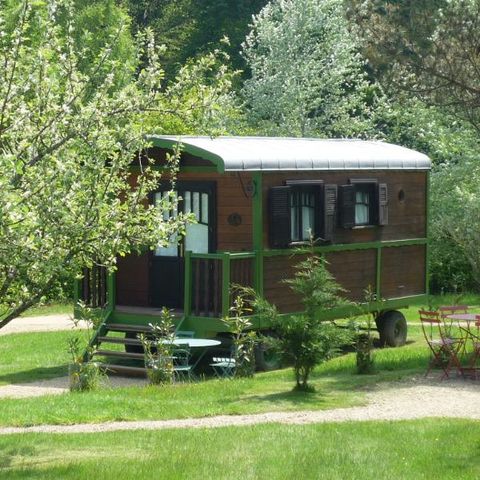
329	211
382	196
279	213
347	205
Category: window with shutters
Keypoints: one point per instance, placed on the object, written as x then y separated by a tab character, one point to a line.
301	208
363	203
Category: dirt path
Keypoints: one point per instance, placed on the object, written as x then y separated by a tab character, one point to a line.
405	401
45	323
59	385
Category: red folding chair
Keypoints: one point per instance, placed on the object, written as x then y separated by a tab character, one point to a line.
447	310
473	334
444	350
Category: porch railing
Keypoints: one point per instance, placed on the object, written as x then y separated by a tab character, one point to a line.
93	287
208	278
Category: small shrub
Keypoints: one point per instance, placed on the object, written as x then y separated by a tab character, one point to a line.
364	344
84	373
158	350
304	340
244	338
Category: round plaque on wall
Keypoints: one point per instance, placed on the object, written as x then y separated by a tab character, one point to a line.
234	219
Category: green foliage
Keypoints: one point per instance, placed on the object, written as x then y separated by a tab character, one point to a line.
307	77
429	48
304	340
159	349
192	28
70	129
84	373
243	337
364	342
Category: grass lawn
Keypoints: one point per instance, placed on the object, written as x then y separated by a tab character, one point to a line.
31	356
49	309
442	449
336	384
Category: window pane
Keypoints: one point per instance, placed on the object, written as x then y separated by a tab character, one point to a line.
205	208
308	220
361	214
170	251
196	238
196	205
187	202
294	224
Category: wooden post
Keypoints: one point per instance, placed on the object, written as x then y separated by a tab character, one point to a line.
225	284
187	298
111	291
257	206
378	278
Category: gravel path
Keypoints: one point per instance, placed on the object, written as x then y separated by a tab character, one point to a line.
45	323
417	398
59	385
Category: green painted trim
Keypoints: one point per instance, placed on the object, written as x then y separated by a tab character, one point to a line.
257	231
187	298
350	246
225	284
427	233
241	255
111	290
378	277
351	311
211	256
196	151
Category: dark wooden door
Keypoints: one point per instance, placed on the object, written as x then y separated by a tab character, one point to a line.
167	265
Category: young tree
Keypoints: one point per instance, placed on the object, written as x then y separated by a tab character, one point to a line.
69	133
307	77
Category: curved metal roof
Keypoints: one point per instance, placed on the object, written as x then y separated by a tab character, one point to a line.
276	153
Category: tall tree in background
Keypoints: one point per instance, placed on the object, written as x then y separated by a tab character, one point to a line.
429	47
307	77
429	50
69	131
190	28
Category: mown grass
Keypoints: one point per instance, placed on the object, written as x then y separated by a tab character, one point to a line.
443	449
32	356
336	386
56	308
26	357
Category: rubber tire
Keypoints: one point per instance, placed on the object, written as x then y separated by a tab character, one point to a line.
133	348
392	327
262	362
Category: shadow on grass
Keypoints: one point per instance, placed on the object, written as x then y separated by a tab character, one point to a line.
34	374
291	397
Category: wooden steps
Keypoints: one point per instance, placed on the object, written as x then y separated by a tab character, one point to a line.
116	353
128	361
123	370
124	341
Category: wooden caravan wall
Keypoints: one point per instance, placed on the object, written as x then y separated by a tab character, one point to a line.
231	197
403	271
403	268
353	270
132	280
406	218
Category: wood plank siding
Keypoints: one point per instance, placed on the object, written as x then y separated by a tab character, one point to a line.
406	217
403	268
231	198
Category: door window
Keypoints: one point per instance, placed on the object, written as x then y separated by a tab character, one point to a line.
196	234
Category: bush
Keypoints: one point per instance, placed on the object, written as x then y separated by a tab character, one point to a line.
244	339
158	350
305	340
